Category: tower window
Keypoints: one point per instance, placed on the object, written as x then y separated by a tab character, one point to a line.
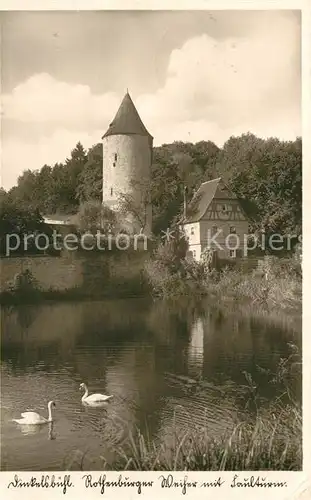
232	230
111	191
214	230
115	157
114	163
192	230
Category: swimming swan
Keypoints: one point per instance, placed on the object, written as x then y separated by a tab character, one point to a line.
33	418
93	398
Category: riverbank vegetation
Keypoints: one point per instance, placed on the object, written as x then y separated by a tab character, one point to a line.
168	275
269	441
277	284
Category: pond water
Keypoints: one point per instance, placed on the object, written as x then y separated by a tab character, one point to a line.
151	356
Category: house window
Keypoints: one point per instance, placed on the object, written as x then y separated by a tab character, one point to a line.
232	254
111	191
224	208
192	231
194	253
232	230
214	230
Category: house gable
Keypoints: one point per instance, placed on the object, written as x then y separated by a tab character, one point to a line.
214	201
215	210
201	201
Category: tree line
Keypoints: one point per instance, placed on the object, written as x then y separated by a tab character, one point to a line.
265	174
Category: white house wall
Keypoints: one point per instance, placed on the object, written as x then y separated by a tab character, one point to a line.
192	233
223	229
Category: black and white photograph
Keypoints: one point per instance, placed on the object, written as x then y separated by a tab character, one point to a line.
151	242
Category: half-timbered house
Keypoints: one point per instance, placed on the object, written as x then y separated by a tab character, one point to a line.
215	219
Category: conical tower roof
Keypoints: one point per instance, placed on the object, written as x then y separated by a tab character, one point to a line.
127	120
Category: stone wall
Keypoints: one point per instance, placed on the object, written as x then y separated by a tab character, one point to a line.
59	273
90	272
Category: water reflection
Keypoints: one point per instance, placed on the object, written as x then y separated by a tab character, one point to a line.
160	363
196	347
30	430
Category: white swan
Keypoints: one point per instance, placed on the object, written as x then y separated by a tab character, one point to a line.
33	418
93	398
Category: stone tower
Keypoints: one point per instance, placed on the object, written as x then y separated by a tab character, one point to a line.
127	157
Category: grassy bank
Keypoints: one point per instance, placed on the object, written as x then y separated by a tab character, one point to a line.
28	291
269	441
272	293
229	287
73	294
277	286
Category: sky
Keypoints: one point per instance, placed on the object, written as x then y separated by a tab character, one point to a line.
193	75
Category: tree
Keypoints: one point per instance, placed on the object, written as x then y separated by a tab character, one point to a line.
18	221
175	166
267	177
72	171
94	216
51	189
265	174
133	208
91	177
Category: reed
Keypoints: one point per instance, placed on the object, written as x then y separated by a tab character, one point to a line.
269	441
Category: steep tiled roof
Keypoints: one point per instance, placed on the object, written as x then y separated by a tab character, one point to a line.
203	198
127	120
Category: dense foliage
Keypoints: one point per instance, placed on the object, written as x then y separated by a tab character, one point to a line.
265	174
18	220
52	189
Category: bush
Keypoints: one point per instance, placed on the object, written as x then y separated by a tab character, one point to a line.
24	282
23	288
171	275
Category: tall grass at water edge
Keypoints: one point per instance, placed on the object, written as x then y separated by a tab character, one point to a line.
271	441
277	285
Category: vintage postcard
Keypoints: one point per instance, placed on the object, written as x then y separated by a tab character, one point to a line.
153	159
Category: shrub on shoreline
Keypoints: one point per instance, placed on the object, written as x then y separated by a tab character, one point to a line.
279	284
